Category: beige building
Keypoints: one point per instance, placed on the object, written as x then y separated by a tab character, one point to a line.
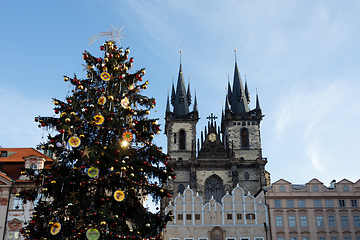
237	217
313	211
13	213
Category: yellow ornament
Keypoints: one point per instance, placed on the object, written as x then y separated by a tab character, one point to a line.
74	141
106	59
105	76
111	98
99	119
67	120
55	228
103	223
92	234
119	195
102	100
66	79
125	102
93	172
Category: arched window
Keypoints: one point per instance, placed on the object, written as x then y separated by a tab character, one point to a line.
181	188
182	139
180	159
213	188
247	176
244	138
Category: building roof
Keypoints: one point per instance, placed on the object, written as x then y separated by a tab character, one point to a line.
12	160
18	154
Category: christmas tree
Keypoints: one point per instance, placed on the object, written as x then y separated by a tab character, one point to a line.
105	162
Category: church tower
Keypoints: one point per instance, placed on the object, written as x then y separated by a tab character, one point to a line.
225	156
180	127
240	128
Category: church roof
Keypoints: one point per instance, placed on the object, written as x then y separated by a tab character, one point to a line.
181	97
238	98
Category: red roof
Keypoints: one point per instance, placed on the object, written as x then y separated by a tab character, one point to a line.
15	160
5	176
18	154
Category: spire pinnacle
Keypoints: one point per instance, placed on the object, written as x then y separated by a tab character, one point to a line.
238	98
195	104
257	100
167	102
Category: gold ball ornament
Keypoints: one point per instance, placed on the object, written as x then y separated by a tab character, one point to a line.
127	51
17	194
143	71
80	87
111	98
56	103
72	114
132	175
103	223
66	79
140	169
53	182
22	173
106	59
67	120
161	190
147	112
44	189
116	69
43	147
63	114
147	225
81	135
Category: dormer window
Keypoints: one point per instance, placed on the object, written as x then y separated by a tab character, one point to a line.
33	167
4	154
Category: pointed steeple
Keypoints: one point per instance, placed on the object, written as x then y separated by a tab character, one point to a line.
181	102
227	104
229	90
189	93
238	99
168	103
257	101
172	93
195	104
247	94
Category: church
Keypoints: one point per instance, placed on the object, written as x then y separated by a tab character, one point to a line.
219	175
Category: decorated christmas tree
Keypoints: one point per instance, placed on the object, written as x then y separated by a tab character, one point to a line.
105	162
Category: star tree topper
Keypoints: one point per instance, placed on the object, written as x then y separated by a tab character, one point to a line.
112	34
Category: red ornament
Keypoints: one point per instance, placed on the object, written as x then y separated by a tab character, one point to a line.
56	111
36	119
102	48
131	60
43	124
117	152
173	177
165	163
116	160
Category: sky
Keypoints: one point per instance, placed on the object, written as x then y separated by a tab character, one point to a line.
302	57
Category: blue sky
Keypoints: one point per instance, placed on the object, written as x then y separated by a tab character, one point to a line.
303	56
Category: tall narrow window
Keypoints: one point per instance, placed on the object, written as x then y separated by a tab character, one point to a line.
246	176
331	221
213	188
182	139
244	137
279	221
181	188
